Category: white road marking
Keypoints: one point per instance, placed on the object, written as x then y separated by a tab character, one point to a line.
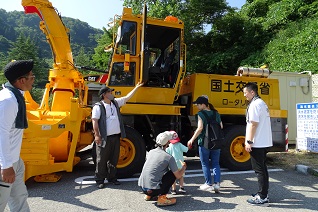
89	180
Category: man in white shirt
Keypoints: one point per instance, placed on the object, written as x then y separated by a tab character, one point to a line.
13	120
108	128
258	139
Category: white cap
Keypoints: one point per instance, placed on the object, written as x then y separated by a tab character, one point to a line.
163	138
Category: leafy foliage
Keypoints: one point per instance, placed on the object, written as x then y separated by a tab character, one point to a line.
295	48
291	41
24	49
83	36
100	57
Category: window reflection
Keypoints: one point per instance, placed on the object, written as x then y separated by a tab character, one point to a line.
120	77
126	38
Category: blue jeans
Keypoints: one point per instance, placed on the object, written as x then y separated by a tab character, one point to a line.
205	156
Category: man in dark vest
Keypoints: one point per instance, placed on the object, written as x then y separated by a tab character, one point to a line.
108	128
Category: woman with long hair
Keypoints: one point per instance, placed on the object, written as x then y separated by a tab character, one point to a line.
206	109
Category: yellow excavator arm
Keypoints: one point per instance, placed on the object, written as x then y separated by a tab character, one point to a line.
64	76
58	126
53	28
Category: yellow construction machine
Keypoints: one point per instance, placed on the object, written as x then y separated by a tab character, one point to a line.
152	51
58	126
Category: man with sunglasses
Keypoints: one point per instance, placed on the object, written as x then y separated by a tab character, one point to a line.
13	121
108	128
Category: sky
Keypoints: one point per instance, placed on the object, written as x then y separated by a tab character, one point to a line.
95	12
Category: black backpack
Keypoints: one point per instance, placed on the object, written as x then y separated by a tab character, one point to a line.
215	137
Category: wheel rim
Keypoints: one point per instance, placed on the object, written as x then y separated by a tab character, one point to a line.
238	151
127	153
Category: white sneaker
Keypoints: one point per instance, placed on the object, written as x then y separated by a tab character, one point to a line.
210	189
206	187
256	200
216	188
181	190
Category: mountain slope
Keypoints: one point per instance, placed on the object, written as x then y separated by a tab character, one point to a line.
12	24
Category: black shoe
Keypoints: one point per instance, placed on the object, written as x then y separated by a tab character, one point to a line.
101	185
115	182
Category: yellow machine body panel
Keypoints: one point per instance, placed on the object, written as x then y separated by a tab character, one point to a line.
225	92
151	109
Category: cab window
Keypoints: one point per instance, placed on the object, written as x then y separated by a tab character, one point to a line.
126	38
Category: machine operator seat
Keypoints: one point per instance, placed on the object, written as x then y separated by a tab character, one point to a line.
158	61
156	67
168	61
159	74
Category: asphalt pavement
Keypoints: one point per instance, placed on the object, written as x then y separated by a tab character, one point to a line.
76	191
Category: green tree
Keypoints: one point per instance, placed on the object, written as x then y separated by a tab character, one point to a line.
3	62
290	38
100	57
24	49
82	59
295	48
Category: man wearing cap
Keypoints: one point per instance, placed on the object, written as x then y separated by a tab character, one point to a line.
160	171
13	120
108	128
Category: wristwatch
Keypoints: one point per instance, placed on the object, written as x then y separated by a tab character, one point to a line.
249	142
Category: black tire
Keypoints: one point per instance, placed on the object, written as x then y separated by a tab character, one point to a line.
233	154
132	154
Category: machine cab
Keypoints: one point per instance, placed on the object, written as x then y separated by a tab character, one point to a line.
148	50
